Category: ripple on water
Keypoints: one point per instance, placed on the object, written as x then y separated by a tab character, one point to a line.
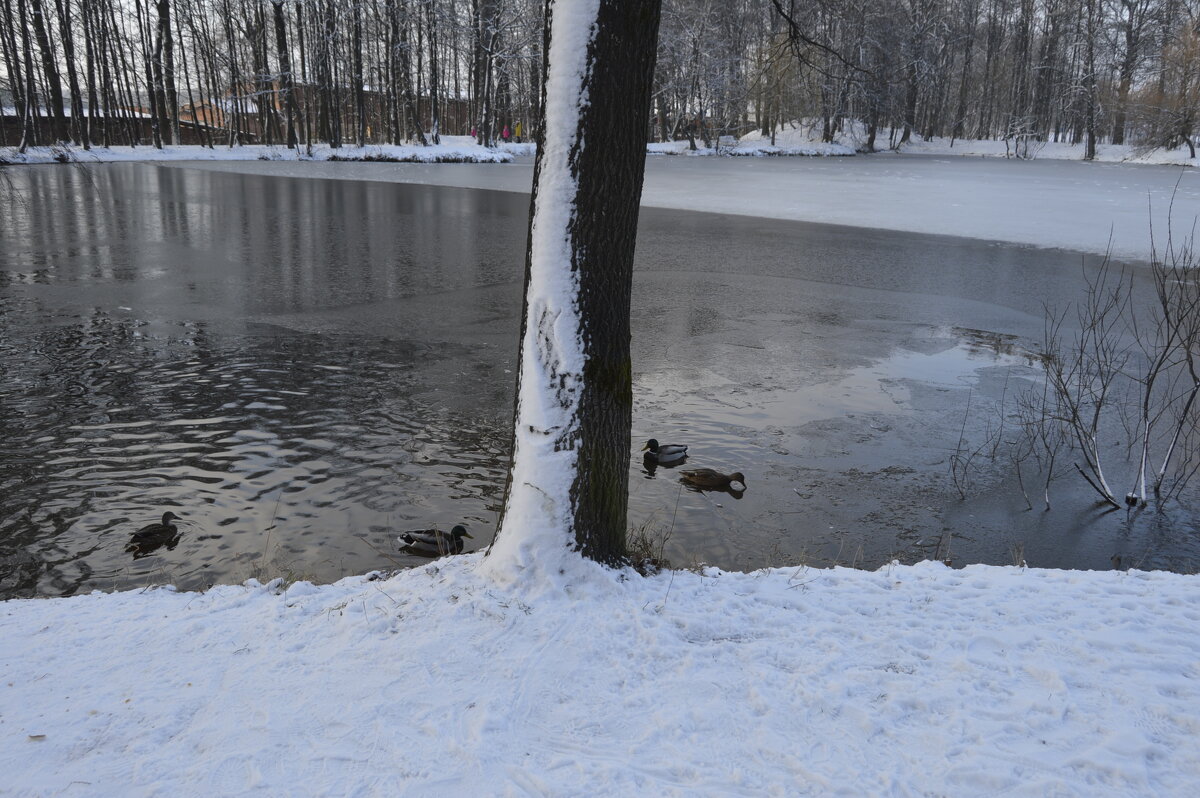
257	439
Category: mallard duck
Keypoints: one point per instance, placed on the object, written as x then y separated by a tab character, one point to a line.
710	479
435	541
664	453
152	537
164	528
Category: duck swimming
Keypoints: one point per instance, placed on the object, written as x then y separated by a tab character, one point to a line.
166	527
709	479
152	537
664	453
434	542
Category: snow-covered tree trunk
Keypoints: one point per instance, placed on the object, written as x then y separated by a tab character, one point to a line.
568	489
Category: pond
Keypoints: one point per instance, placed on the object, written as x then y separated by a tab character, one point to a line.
303	369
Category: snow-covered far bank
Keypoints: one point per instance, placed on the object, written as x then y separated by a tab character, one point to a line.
916	680
789	141
799	136
1050	150
453	149
752	147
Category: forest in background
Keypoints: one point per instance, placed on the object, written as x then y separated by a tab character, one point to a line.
299	72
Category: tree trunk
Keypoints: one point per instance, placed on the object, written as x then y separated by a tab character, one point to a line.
360	98
50	70
78	127
1046	73
164	73
568	484
403	66
285	72
435	134
28	130
89	56
910	101
960	114
12	62
1093	26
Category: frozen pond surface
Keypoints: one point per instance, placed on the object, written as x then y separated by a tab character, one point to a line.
304	368
1065	204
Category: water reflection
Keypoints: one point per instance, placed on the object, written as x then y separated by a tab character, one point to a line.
651	464
254	431
148	357
727	489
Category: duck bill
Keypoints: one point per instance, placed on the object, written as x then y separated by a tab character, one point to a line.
644	448
468	535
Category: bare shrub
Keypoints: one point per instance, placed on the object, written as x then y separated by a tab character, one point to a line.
1126	364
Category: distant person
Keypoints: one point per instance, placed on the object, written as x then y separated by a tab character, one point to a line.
473	135
506	134
517	131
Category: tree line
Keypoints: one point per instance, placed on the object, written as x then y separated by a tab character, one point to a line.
299	72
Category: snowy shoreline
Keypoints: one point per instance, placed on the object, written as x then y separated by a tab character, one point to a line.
789	142
454	149
913	680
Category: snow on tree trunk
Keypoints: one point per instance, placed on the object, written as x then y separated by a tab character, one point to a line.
568	485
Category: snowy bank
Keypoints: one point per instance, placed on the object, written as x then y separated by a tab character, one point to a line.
917	680
803	138
453	149
788	141
752	146
1048	150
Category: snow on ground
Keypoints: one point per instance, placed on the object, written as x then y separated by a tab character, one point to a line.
797	136
793	139
752	145
908	681
1049	150
452	149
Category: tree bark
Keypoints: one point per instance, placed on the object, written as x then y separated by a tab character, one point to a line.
568	484
12	61
285	71
50	70
167	99
28	129
77	126
1092	13
356	66
435	123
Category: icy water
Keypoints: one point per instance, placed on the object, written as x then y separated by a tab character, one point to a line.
302	369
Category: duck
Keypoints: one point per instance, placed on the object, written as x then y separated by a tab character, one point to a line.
709	479
434	541
163	528
664	453
152	537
